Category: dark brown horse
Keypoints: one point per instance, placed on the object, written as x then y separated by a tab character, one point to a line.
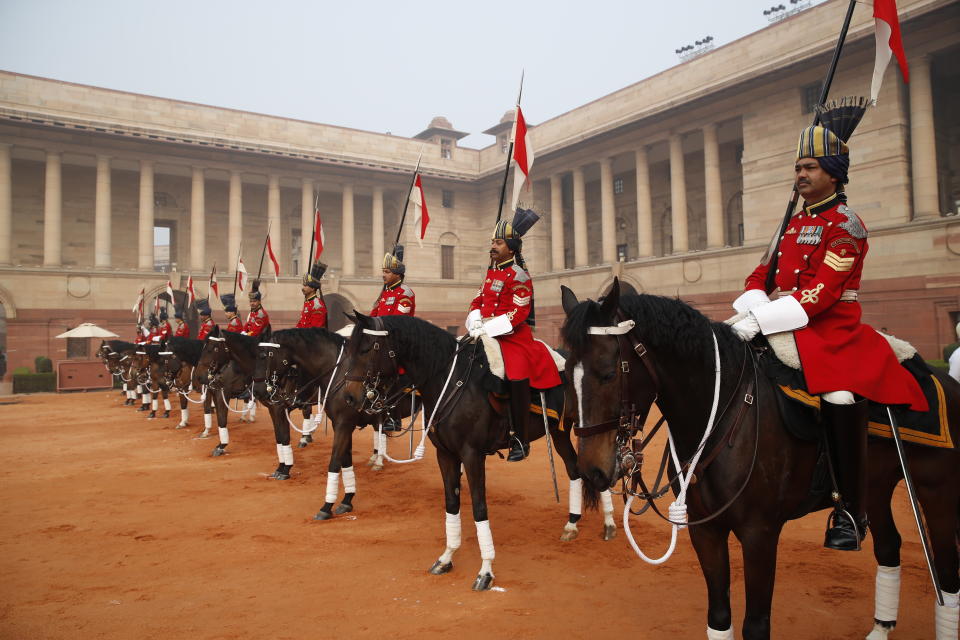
761	475
226	365
179	370
465	424
117	356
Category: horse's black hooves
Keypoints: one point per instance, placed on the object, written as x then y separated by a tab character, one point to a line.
308	438
302	444
483	582
152	416
342	508
323	515
439	568
282	475
166	414
218	451
181	426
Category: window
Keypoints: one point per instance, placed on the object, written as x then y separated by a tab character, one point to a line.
618	185
809	95
446	261
295	248
446	148
622	252
163	251
447	199
504	140
78	348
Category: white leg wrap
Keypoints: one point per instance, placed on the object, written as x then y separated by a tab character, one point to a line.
124	387
131	394
453	536
713	634
349	480
153	405
887	598
139	389
224	435
184	415
485	540
333	486
252	410
307	426
207	421
145	397
287	454
166	404
280	453
606	500
576	496
947	616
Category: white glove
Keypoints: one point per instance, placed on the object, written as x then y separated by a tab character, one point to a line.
498	326
472	318
750	300
747	328
477	331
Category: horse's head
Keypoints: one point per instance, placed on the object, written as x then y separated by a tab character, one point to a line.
614	389
214	356
104	353
169	366
140	367
373	363
274	362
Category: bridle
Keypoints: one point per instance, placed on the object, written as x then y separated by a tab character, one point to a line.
381	389
277	383
218	359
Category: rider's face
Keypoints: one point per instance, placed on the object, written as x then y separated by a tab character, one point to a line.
499	251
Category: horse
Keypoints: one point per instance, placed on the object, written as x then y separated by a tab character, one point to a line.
464	427
117	356
150	378
228	371
292	366
755	476
178	368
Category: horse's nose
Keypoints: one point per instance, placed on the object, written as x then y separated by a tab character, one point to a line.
350	399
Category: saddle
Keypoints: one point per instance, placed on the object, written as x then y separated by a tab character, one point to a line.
495	356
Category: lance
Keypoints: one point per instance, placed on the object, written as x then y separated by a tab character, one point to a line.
770	282
264	250
406	204
236	273
506	169
313	232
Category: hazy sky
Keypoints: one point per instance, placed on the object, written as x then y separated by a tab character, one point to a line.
379	66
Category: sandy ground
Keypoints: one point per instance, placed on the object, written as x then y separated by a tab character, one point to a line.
112	526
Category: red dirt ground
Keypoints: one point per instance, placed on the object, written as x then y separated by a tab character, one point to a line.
112	526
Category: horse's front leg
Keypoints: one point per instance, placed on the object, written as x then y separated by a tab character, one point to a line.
561	442
153	404
759	542
144	396
184	411
210	401
309	426
609	524
475	465
940	502
165	392
450	472
710	544
223	414
884	476
281	429
340	461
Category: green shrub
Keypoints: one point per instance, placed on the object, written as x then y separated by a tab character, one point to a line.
938	364
43	364
21	370
949	349
34	382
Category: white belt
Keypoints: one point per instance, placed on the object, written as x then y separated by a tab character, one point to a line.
848	295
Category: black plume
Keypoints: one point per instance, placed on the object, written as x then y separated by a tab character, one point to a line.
842	116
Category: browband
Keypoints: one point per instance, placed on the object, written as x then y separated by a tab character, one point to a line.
269	344
217	339
165	353
374	332
619	330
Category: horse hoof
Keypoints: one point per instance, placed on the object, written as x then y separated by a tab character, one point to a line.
308	438
439	568
219	451
282	475
569	535
166	414
376	467
204	434
182	425
483	582
302	444
323	515
342	508
609	531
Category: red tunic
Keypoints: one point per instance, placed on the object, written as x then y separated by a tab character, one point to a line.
183	330
313	314
164	330
257	321
820	264
508	290
235	325
205	328
395	300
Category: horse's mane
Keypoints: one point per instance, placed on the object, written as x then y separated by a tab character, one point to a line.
431	346
186	348
121	345
296	338
668	325
241	341
153	350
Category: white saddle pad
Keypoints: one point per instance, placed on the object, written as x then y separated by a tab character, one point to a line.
784	345
495	356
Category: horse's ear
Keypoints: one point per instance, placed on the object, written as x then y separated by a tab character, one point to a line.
215	332
359	318
612	300
568	298
267	334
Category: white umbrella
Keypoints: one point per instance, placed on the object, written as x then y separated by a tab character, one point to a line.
88	330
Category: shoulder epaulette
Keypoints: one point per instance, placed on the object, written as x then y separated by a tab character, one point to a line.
519	274
852	223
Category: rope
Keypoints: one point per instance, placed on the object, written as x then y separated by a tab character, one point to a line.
678	508
186	395
227	404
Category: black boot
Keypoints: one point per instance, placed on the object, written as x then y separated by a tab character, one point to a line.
847	432
519	412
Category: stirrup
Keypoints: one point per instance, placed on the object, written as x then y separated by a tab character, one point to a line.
843	531
518	450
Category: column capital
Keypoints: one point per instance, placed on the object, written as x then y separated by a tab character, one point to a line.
104	156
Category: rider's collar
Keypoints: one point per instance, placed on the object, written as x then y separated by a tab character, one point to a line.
824	205
505	264
311	296
619	330
393	286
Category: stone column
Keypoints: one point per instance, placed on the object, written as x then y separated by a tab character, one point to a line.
923	143
234	218
678	195
307	212
198	223
276	225
377	230
145	244
644	208
102	222
52	212
349	255
556	222
608	214
711	171
6	205
580	255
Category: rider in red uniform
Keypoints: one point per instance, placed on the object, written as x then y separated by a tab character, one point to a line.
183	329
821	254
206	322
396	298
257	319
314	312
164	330
230	308
503	309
